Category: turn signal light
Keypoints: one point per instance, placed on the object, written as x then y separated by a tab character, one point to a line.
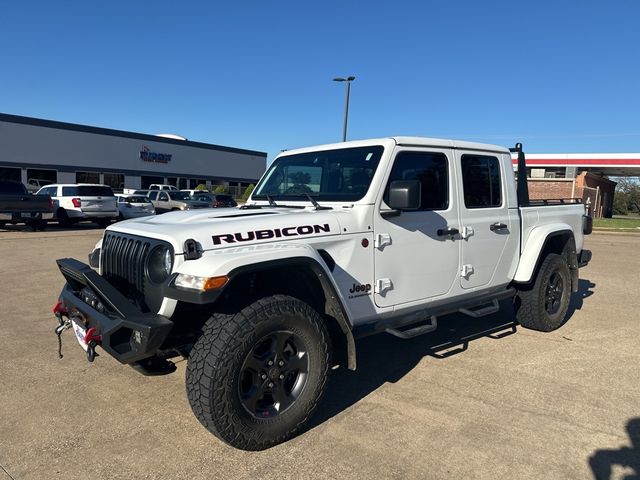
214	283
200	283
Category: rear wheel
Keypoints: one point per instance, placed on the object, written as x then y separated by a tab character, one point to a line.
63	218
543	305
103	222
255	378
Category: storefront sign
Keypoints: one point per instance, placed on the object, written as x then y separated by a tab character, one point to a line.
147	155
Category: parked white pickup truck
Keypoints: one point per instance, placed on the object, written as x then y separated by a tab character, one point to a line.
336	242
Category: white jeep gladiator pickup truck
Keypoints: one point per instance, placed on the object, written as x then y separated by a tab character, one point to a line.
336	242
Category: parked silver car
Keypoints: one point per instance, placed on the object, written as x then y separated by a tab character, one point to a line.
134	206
166	201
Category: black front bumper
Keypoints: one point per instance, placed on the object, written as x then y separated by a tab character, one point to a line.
126	333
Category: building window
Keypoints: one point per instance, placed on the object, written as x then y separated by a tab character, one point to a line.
481	181
41	177
8	173
87	177
114	180
147	180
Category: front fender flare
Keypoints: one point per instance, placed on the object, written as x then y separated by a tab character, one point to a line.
233	262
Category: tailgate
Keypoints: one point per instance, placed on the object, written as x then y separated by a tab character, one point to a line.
98	204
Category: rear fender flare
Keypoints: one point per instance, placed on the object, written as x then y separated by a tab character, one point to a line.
535	245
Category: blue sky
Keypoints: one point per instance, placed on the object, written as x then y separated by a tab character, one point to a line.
560	76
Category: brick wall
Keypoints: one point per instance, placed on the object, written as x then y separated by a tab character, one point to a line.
549	188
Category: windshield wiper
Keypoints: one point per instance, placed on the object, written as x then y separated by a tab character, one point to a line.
272	203
316	204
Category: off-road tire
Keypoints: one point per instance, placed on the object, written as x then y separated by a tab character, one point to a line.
215	365
530	303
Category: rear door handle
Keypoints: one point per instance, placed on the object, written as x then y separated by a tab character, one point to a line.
449	231
497	226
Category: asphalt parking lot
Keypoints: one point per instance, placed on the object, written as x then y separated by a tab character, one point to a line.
479	398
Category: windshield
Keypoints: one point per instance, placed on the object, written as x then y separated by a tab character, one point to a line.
181	196
332	175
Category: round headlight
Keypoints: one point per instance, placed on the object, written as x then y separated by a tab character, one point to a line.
160	264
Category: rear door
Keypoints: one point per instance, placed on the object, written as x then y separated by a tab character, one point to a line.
490	234
415	256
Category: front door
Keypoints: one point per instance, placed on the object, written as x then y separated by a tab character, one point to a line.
417	252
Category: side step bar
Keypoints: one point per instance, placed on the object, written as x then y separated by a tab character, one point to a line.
430	326
482	309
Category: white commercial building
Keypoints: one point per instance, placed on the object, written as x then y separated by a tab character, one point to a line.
34	150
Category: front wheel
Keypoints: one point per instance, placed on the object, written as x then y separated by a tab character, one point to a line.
543	305
255	378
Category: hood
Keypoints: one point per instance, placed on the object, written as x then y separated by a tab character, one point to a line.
232	227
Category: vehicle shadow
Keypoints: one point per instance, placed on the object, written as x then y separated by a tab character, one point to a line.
585	290
603	461
384	358
51	227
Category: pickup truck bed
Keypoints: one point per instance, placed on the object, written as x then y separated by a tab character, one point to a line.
18	206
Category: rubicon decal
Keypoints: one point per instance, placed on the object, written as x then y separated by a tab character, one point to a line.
270	233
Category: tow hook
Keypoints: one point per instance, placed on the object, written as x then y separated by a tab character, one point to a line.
63	323
92	339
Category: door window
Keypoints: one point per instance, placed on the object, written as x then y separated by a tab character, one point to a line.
431	169
153	195
481	181
163	197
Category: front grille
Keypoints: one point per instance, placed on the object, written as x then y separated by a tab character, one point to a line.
123	259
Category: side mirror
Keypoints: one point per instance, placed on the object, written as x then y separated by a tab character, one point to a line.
405	195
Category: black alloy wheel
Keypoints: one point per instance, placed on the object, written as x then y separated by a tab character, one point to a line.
274	374
553	293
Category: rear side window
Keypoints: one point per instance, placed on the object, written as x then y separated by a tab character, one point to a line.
153	195
48	191
87	191
431	169
481	181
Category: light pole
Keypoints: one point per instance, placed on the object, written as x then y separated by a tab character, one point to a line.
346	106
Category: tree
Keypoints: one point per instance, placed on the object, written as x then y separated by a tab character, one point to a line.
247	192
221	189
202	187
628	189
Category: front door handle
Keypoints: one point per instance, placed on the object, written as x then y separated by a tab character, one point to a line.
447	232
497	226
